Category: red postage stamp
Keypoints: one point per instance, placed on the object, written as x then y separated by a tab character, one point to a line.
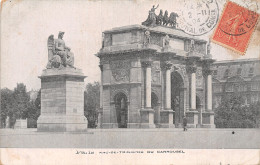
235	27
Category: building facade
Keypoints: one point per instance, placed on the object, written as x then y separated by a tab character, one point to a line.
236	77
153	77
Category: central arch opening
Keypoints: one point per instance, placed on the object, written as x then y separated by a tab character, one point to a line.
177	97
121	109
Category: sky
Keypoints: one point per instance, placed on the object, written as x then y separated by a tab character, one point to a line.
26	25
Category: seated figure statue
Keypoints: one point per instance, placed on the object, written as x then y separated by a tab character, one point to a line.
59	54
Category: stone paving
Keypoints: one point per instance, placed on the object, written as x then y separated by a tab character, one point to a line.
199	138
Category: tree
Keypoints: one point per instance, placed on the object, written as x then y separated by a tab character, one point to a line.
34	110
21	99
233	114
6	105
91	103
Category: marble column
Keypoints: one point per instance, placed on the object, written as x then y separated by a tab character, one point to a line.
209	92
192	114
147	114
208	113
99	120
168	88
193	90
167	113
148	86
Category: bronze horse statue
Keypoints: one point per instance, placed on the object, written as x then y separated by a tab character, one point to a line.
171	20
161	19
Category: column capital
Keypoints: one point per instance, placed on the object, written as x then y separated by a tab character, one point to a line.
191	69
101	67
207	72
167	65
147	64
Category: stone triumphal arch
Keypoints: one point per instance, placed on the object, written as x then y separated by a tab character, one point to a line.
152	77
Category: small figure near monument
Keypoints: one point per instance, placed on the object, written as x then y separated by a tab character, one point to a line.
166	41
147	38
184	123
59	55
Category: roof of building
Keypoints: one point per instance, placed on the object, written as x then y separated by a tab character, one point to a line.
244	68
237	61
157	29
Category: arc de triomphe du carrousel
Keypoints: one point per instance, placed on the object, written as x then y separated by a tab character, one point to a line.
152	76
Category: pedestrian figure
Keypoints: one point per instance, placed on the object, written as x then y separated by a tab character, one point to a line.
184	123
13	121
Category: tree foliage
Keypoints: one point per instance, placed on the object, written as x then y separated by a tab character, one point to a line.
91	103
232	113
21	100
34	110
17	105
6	105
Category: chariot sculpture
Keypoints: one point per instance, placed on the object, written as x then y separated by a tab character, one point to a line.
165	20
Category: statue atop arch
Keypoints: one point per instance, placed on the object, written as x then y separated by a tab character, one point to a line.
59	55
151	20
165	20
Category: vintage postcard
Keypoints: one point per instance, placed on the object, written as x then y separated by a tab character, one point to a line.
130	82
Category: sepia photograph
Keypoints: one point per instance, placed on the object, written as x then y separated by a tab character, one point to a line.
130	82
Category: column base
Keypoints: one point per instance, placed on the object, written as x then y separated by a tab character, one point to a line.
192	118
191	125
208	126
208	119
147	125
167	118
179	125
147	118
109	125
133	125
167	126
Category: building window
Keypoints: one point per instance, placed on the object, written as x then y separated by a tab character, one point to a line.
251	72
236	87
254	98
226	73
248	87
254	86
239	70
229	87
217	88
215	73
248	100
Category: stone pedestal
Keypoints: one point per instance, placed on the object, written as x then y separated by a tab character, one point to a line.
167	119
208	119
147	118
192	118
20	124
62	101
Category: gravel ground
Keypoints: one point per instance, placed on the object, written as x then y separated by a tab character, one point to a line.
199	138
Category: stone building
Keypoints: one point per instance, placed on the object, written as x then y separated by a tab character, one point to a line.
152	77
236	77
